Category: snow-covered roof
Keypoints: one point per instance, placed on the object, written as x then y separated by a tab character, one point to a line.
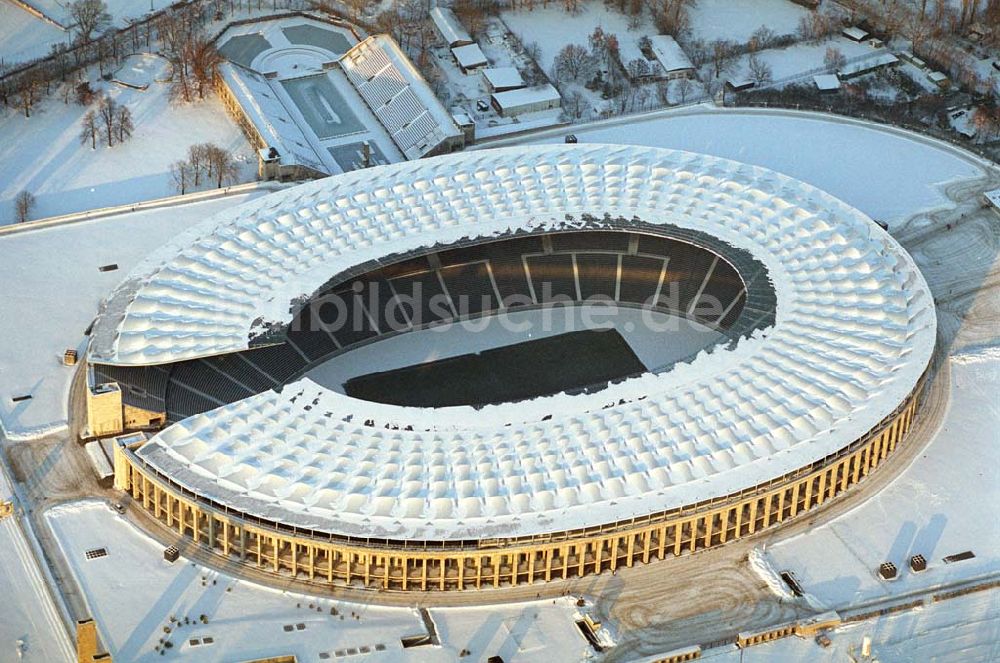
937	76
994	197
669	53
854	32
854	330
449	26
469	56
868	64
503	77
527	96
263	107
398	95
826	82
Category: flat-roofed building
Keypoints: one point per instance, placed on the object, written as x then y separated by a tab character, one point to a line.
526	100
469	57
501	79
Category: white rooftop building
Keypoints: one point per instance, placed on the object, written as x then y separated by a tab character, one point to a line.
501	79
854	33
826	82
526	100
400	98
260	110
469	57
671	57
449	27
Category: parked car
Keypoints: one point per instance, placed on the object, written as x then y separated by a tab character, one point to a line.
482	106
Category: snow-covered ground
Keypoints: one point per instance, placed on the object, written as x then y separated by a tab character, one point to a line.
943	504
132	593
43	153
887	175
736	20
553	27
799	59
519	633
51	289
24	36
28	613
656	339
960	629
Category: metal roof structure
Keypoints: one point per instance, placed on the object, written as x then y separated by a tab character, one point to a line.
854	330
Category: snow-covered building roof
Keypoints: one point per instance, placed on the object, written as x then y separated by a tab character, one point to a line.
669	54
262	106
500	79
993	198
469	56
860	67
528	99
398	95
826	82
854	330
449	27
854	33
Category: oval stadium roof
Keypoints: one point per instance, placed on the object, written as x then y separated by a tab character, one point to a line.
854	330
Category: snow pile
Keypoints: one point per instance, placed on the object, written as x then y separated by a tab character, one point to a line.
764	570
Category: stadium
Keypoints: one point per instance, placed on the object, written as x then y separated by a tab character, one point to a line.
791	343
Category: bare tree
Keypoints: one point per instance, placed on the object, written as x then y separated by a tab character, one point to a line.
90	16
684	88
761	39
721	54
123	123
637	69
107	111
834	59
204	62
24	203
222	165
760	71
89	129
181	173
571	62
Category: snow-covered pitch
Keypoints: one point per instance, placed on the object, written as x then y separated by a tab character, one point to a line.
854	331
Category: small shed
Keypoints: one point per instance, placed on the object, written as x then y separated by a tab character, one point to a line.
501	79
449	28
469	58
671	57
854	33
826	83
940	79
739	84
526	100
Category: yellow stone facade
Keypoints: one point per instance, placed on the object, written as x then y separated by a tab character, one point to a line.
418	565
104	410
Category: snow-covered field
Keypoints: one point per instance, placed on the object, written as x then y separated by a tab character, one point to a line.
120	10
552	28
736	20
943	504
960	629
884	174
24	36
28	613
132	593
800	58
51	289
43	154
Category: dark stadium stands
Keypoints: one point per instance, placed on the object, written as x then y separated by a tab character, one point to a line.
672	270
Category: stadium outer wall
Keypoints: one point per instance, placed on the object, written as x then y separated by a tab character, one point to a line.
420	566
